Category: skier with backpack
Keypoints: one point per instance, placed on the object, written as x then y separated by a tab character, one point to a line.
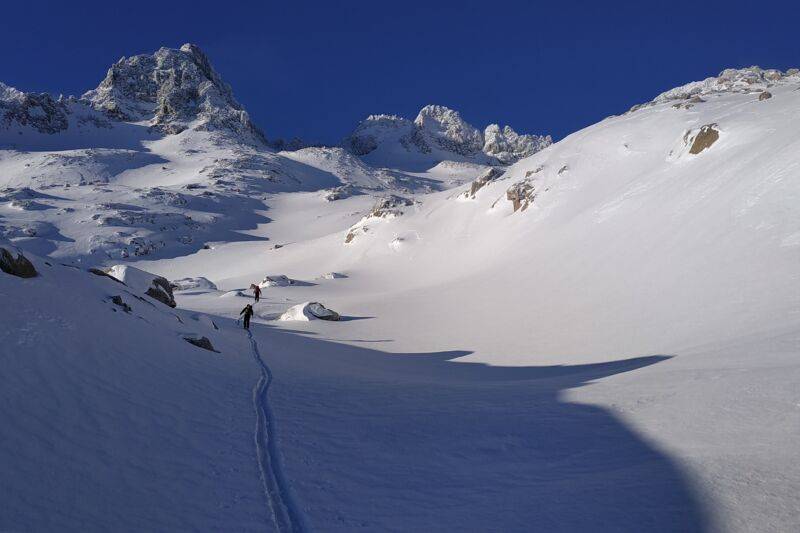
247	312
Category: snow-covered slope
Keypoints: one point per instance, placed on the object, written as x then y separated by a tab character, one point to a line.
603	335
111	420
671	230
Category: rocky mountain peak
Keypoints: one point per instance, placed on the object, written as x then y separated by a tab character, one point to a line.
439	132
508	146
41	112
172	89
374	130
446	129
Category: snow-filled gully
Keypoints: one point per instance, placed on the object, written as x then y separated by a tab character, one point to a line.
284	513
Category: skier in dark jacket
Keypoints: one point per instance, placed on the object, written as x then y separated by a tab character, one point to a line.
257	292
247	312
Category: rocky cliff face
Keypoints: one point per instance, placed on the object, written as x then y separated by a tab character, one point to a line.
442	133
508	146
41	112
445	129
172	90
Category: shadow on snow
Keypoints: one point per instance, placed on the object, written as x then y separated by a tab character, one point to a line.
411	440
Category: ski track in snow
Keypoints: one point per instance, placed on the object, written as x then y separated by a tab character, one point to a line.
284	513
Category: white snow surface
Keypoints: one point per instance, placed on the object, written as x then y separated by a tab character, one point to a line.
619	353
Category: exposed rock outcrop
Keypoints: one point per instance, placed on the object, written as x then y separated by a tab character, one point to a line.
99	272
387	207
201	342
521	195
706	137
478	184
119	302
278	280
13	262
199	283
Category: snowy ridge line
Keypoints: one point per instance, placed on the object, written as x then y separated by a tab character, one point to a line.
284	512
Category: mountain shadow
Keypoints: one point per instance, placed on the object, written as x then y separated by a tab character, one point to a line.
417	442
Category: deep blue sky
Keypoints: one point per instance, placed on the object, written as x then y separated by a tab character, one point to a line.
313	69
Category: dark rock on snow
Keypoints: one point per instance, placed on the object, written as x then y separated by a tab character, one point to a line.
13	262
201	342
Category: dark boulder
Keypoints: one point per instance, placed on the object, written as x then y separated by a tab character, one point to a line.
201	342
13	262
118	301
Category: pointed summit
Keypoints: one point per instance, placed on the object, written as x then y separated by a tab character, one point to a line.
172	90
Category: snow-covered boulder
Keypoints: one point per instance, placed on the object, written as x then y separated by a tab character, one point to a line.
233	294
332	275
388	207
144	282
279	280
186	284
308	311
